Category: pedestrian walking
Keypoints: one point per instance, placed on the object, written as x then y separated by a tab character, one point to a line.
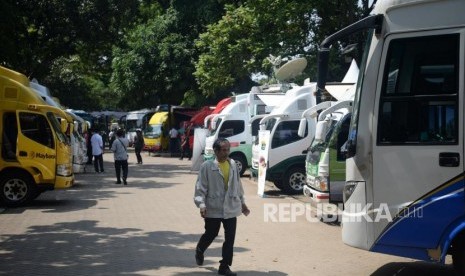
220	197
119	149
138	145
173	140
97	151
90	156
185	148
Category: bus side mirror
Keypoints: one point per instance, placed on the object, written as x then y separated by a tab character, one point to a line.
320	130
262	127
302	127
213	124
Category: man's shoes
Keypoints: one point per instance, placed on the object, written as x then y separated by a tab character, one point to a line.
124	182
118	182
224	270
198	257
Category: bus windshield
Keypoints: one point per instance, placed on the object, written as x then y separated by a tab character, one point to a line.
131	125
352	140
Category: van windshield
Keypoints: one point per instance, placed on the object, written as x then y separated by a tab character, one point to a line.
154	130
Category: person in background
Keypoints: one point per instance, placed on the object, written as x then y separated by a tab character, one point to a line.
90	156
173	140
119	149
220	197
185	144
111	137
138	145
97	151
185	147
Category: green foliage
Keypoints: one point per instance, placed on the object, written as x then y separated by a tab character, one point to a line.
112	54
238	44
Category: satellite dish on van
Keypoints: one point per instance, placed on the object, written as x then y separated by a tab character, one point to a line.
291	69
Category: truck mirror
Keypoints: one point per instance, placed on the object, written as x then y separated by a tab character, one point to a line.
302	127
320	130
64	125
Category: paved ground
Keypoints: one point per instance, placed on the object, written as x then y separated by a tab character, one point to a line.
151	226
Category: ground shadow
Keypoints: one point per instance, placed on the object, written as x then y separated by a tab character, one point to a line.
85	248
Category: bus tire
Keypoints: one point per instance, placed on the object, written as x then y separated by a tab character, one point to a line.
16	189
240	162
294	180
458	255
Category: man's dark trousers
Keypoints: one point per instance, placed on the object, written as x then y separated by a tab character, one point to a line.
121	165
212	227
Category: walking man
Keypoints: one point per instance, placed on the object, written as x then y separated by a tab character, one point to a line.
138	145
220	197
97	151
119	149
173	140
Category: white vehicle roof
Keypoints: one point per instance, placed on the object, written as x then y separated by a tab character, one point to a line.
296	101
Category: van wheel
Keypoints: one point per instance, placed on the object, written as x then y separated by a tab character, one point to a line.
278	184
16	190
241	163
294	180
458	255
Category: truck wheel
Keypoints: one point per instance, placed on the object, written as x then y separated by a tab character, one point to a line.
278	184
458	255
241	163
16	189
294	180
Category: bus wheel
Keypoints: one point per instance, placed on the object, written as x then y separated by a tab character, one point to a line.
458	255
294	180
241	163
16	189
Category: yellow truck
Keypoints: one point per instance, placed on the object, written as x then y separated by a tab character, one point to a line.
156	136
35	151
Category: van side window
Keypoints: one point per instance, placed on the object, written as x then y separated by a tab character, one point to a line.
230	128
418	104
36	127
9	136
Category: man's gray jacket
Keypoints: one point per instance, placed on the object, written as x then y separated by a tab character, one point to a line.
210	192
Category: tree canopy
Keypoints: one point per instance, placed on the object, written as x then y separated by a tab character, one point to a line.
132	54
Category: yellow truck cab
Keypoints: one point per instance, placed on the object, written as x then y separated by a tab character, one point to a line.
35	152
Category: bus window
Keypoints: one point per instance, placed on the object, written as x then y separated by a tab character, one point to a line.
420	92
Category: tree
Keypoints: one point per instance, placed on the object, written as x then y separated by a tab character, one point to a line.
40	34
155	64
239	44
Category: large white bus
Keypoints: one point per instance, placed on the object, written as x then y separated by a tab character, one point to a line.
404	190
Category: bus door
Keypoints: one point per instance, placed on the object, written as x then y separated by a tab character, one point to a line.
418	159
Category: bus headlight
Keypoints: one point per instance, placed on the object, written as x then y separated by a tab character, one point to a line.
321	183
349	189
64	170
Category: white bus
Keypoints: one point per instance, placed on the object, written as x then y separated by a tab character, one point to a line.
404	190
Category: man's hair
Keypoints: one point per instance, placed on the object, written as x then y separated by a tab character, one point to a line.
218	142
120	132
